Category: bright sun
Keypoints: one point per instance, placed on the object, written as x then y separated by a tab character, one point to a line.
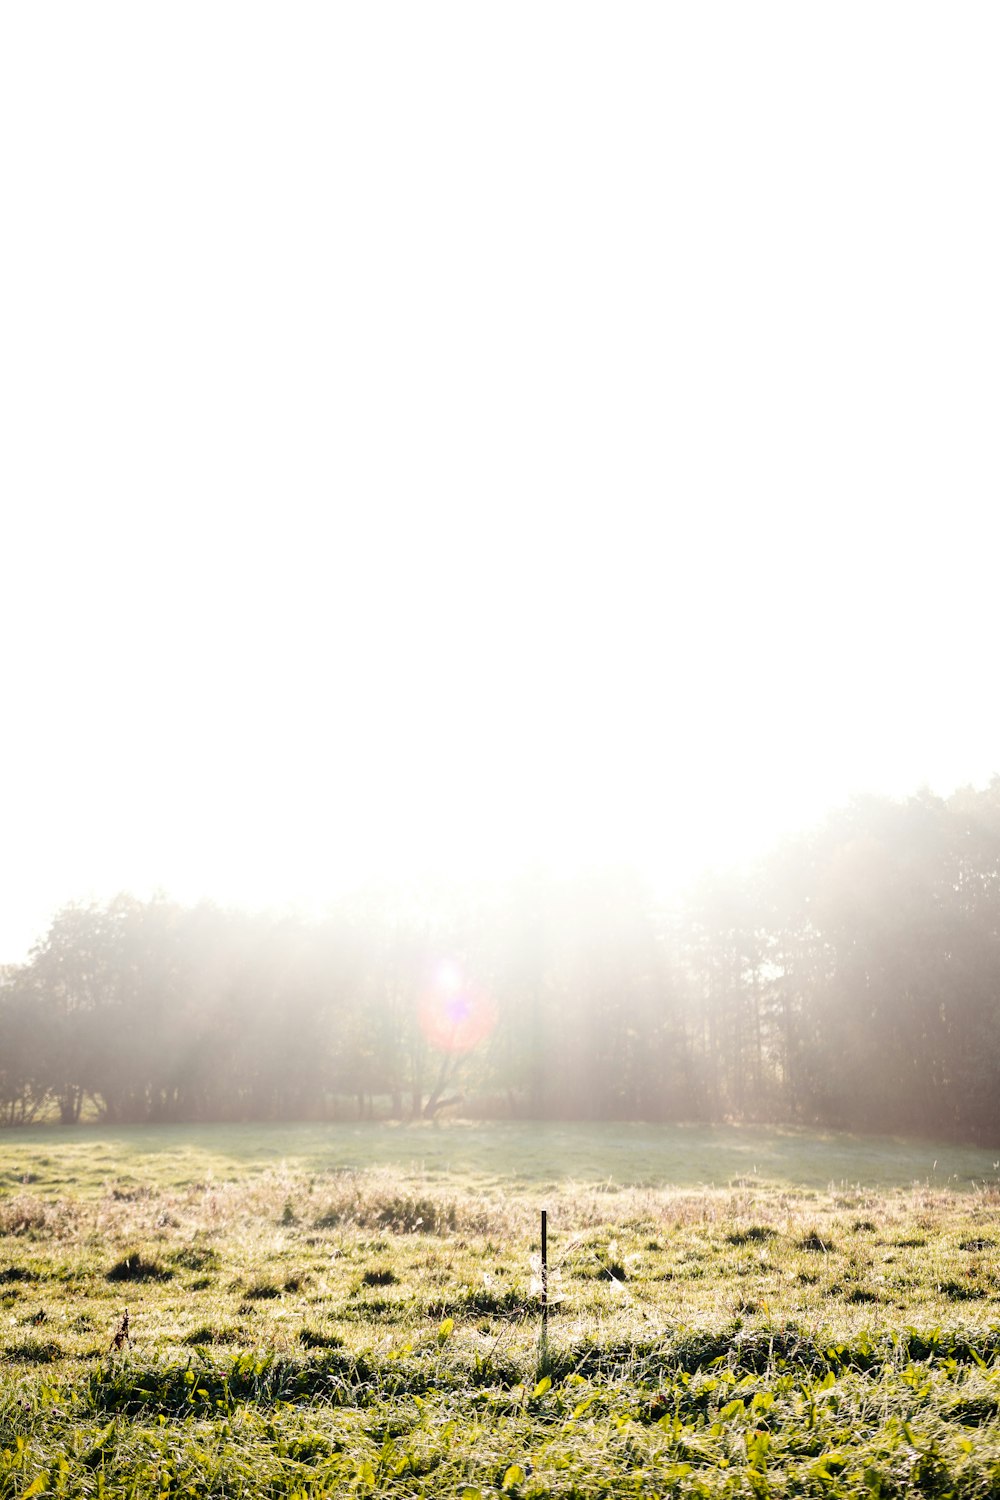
487	438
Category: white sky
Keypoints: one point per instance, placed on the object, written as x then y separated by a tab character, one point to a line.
442	435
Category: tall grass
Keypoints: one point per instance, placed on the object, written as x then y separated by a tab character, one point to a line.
305	1331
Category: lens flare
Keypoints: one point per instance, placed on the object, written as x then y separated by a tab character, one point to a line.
454	1015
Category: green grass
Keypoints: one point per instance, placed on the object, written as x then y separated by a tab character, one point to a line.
304	1324
52	1160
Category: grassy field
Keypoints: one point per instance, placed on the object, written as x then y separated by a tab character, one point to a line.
356	1310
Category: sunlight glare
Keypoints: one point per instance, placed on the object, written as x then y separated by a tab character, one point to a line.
454	1016
482	437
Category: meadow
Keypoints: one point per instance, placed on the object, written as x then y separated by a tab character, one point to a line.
356	1310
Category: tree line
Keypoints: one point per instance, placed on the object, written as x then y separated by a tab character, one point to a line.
849	979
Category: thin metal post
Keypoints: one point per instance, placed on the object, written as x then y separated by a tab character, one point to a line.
545	1269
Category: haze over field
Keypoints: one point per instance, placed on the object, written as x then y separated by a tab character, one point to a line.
439	438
